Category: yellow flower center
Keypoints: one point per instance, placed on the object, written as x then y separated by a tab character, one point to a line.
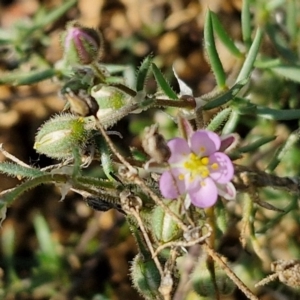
197	166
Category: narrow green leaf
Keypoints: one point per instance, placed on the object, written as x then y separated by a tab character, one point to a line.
14	170
288	71
243	106
278	114
163	83
279	41
275	221
8	247
46	243
213	56
251	56
143	73
292	20
224	37
20	78
231	124
55	14
246	23
290	142
225	97
7	198
257	144
266	63
219	119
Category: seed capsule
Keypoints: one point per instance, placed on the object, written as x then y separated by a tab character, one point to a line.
60	135
203	282
145	277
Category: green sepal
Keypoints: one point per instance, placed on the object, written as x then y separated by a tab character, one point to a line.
163	83
143	72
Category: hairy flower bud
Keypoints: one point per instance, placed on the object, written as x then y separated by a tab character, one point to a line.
82	45
164	227
58	137
111	103
203	281
145	277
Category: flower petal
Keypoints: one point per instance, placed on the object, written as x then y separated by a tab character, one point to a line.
179	150
169	184
204	142
204	194
229	142
183	87
185	126
224	172
227	191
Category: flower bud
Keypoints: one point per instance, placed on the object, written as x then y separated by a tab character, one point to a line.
82	45
164	228
108	98
60	135
145	277
110	101
203	282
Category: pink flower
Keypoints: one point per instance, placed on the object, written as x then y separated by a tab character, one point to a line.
82	45
199	170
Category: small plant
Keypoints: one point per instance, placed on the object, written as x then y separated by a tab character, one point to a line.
171	192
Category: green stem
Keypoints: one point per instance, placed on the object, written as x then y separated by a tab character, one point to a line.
172	103
98	73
